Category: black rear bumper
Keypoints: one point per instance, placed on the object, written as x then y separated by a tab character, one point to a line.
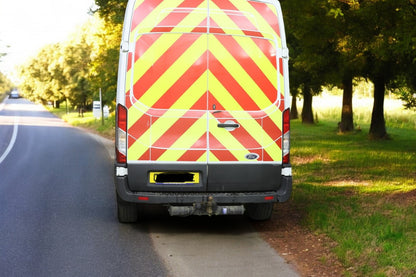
226	184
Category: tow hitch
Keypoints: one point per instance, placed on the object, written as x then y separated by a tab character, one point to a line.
207	208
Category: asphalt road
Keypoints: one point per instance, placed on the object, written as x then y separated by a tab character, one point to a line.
57	207
58	216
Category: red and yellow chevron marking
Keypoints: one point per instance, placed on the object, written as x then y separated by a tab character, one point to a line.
199	63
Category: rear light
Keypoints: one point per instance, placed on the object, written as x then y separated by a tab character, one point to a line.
286	137
121	134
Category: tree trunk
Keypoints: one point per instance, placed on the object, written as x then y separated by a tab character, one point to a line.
347	121
294	109
378	124
307	114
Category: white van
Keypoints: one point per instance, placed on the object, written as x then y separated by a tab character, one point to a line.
202	123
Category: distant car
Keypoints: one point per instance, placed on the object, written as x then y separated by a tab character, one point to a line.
14	94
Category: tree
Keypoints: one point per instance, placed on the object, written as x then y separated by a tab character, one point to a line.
312	44
5	84
104	63
385	46
112	11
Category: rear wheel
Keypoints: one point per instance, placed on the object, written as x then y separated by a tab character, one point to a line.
259	211
126	212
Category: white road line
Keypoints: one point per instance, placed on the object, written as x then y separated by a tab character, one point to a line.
12	141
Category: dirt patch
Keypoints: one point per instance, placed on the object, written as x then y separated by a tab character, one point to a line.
310	253
403	198
310	159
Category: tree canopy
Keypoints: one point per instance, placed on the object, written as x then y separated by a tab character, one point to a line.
337	40
75	70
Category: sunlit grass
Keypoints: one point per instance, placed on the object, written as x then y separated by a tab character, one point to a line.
88	121
359	192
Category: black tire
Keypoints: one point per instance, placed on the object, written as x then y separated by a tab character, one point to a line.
126	212
259	211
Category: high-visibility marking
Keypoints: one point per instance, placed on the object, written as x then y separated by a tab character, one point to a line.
239	73
180	146
157	129
225	61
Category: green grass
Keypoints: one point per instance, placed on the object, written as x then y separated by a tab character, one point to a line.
361	193
88	121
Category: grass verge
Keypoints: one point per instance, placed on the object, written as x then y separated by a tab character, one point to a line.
88	121
360	193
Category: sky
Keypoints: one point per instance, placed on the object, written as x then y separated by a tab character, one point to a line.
28	25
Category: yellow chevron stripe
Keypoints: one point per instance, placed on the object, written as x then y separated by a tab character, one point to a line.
256	130
139	147
138	3
203	158
258	20
148	58
238	73
224	21
153	18
192	20
196	91
212	157
174	72
185	142
259	58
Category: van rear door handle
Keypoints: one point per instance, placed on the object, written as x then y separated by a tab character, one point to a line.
228	125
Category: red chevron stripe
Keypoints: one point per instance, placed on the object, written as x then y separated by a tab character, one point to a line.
220	151
172	95
243	23
266	157
174	18
192	115
267	14
143	10
129	61
231	85
139	127
270	127
127	99
191	155
164	62
244	59
174	133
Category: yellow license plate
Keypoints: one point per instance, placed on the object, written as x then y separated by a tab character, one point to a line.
174	177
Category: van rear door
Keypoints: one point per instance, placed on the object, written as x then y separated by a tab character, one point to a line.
204	85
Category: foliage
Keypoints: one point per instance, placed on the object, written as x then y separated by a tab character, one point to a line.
408	97
5	84
74	70
103	66
331	42
112	10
